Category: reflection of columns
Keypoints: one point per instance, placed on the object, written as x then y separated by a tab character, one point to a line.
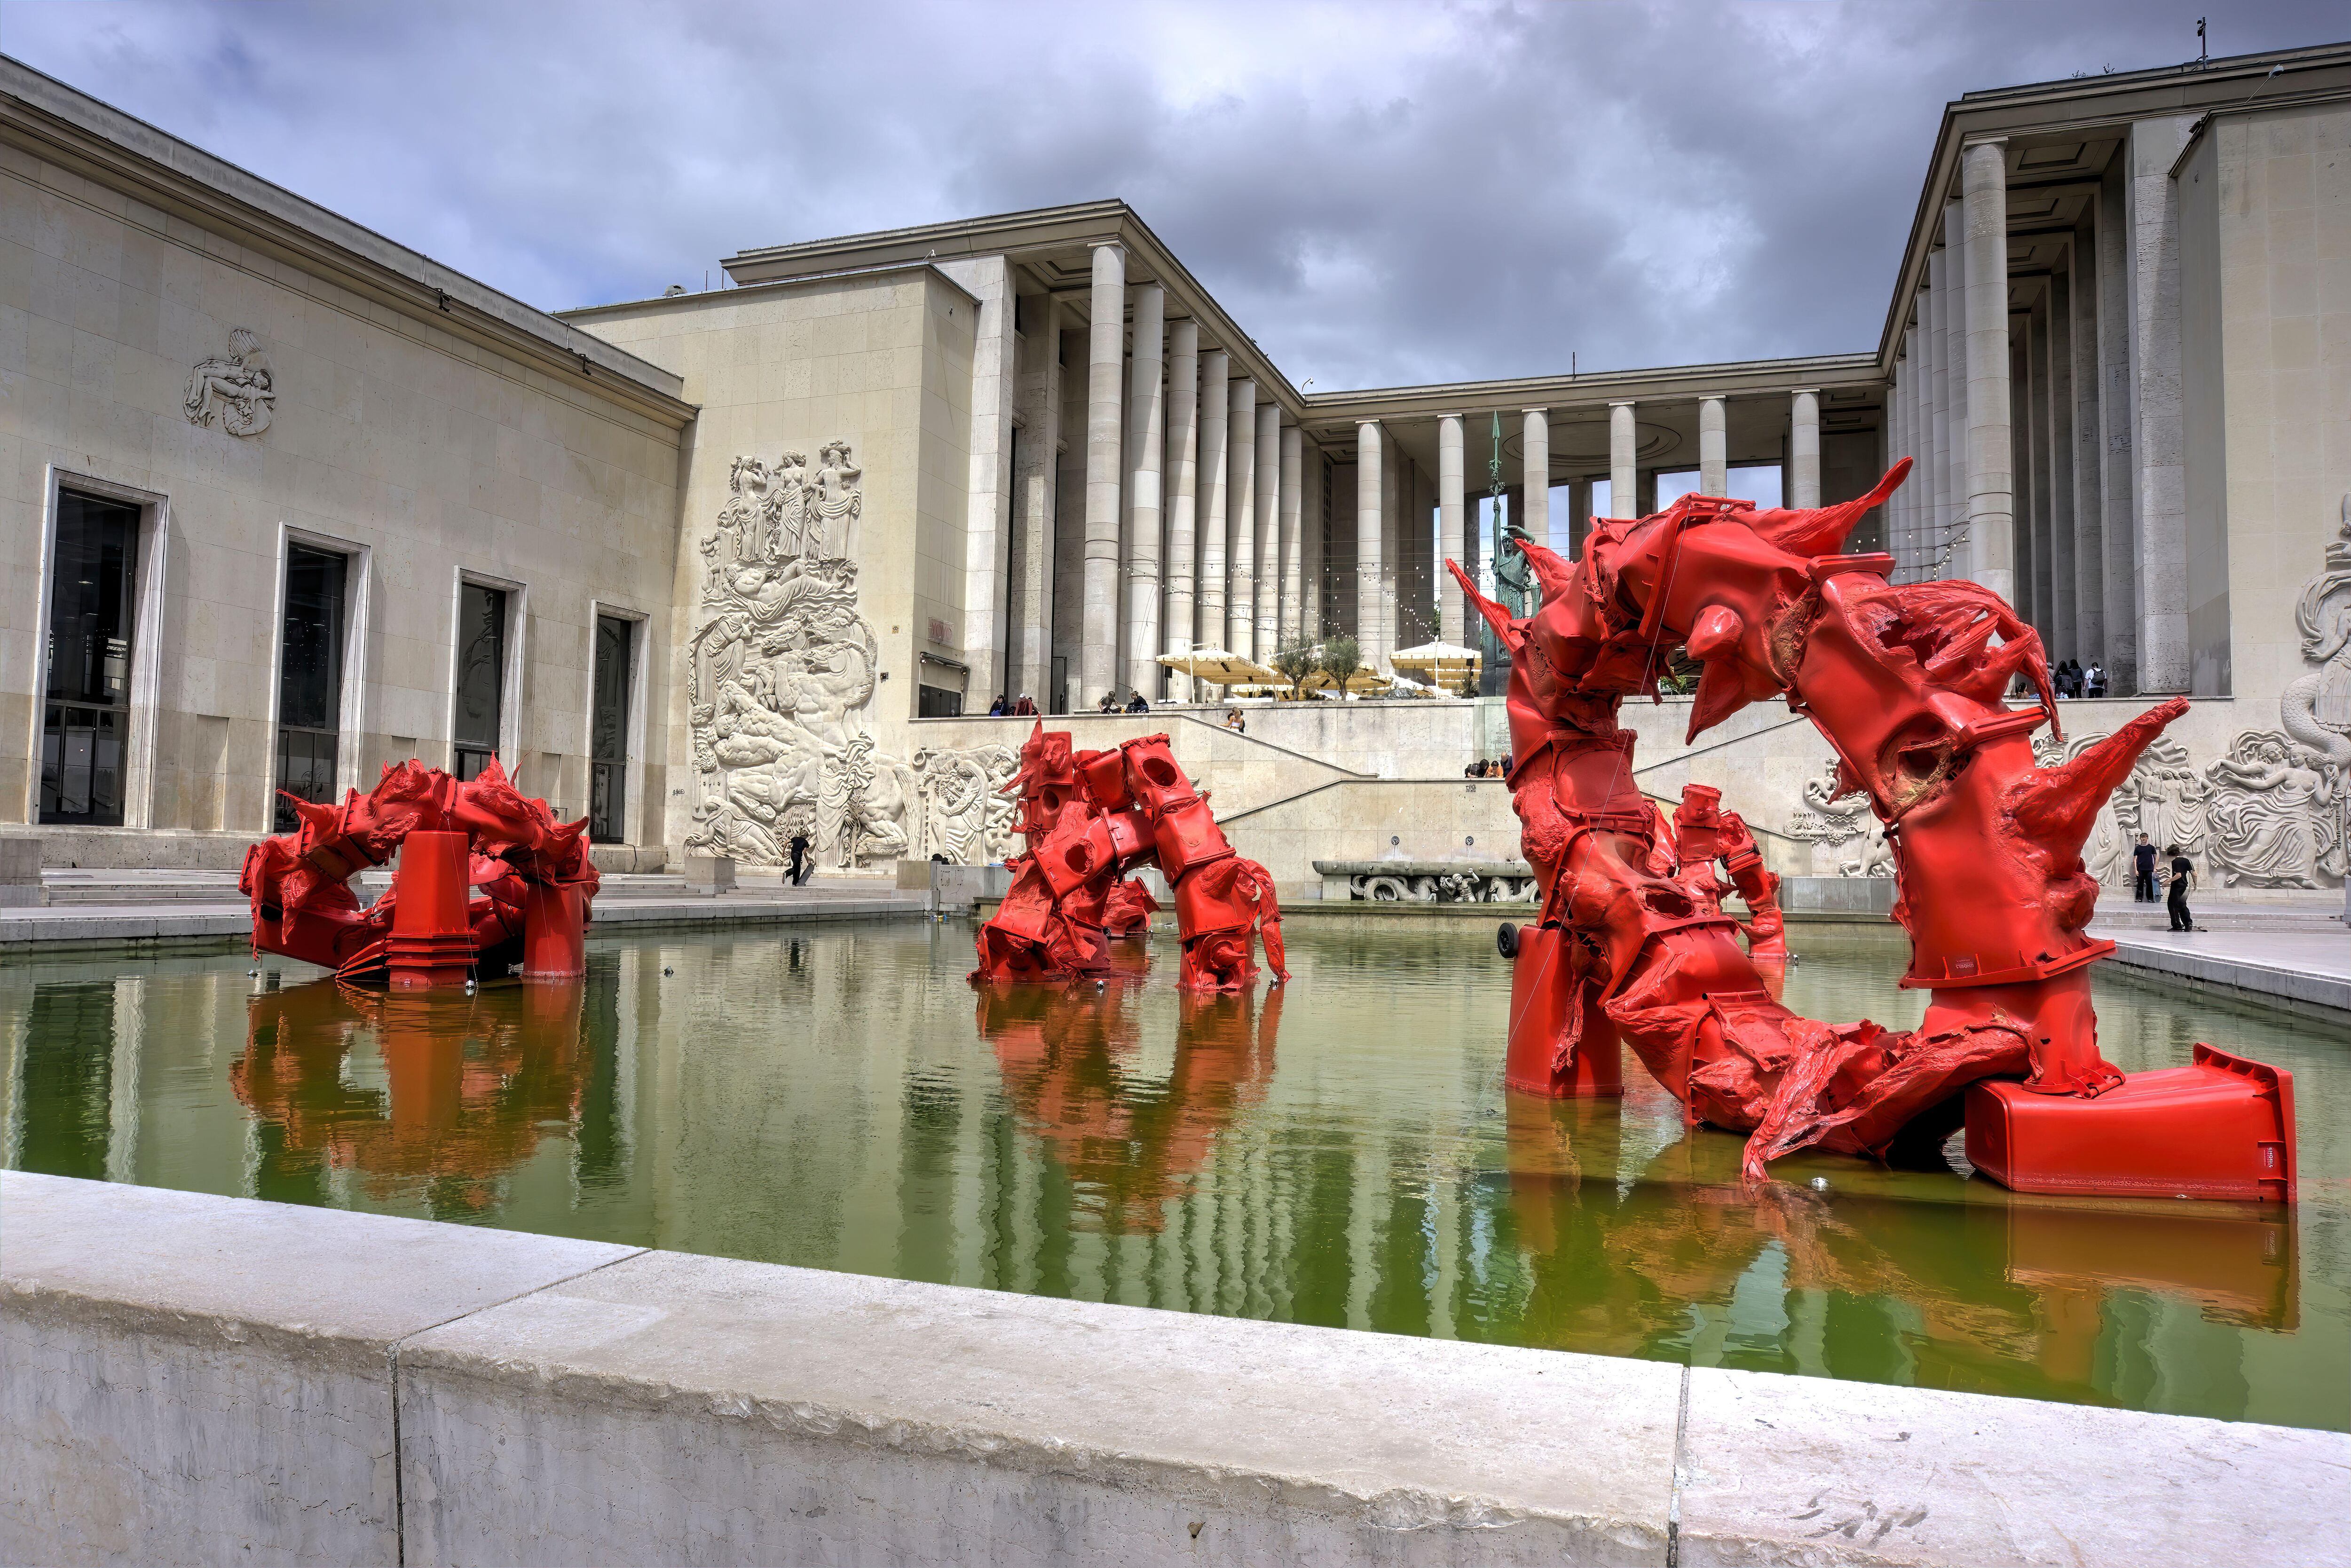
1713	449
1452	608
1368	566
1105	348
1183	473
1624	462
1145	438
1288	627
1992	478
1268	533
1805	447
1537	476
1241	518
1214	420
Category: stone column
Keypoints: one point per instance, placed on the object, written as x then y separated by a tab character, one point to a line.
1183	500
1145	447
2159	439
1098	670
989	506
1452	607
1805	447
1290	624
1310	541
1240	519
1713	448
1368	565
1952	401
1035	473
2057	399
1992	478
1624	462
1894	425
1269	531
2089	505
1216	419
1941	513
2117	471
1579	515
1537	475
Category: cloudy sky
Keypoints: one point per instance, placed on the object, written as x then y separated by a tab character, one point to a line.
1381	193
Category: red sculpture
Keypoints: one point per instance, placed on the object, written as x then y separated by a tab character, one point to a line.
1089	819
1906	682
536	883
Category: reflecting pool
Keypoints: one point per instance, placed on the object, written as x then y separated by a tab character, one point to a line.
1339	1151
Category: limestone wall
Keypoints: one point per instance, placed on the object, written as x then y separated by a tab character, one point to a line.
374	431
227	1380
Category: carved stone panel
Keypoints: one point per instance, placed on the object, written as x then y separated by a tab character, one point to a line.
781	676
238	390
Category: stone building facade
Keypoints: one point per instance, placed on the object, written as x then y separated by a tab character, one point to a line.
286	501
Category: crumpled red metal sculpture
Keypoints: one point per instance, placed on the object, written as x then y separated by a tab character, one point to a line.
1091	818
536	883
1906	682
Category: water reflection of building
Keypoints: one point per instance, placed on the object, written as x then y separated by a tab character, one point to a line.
1128	1138
408	1090
1670	1255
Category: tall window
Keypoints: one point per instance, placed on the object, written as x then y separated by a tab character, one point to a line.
608	733
481	676
85	714
309	678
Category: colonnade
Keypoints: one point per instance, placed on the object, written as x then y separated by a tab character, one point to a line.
1388	550
2039	473
1196	490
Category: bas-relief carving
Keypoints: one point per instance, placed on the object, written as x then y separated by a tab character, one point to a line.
2271	813
238	390
1833	815
781	672
1451	887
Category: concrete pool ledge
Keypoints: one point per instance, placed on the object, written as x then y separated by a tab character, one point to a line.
193	1378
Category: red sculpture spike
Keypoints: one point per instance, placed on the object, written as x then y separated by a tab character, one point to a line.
1908	684
1089	821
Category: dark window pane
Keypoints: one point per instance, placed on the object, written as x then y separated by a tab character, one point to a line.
89	600
938	702
310	654
89	661
481	667
473	761
82	764
607	732
306	768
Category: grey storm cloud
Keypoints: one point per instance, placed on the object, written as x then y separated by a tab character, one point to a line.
1382	194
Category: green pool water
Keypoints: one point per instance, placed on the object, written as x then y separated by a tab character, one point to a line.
1340	1151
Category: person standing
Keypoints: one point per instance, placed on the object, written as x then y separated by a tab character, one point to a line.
2183	877
800	849
2143	872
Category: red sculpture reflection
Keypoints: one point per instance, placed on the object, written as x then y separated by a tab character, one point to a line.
1128	1143
1688	1229
1090	820
1907	682
536	880
470	1084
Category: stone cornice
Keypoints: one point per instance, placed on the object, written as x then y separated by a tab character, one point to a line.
1594	390
1030	237
112	148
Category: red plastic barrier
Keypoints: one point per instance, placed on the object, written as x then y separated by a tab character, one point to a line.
2220	1128
554	932
431	939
